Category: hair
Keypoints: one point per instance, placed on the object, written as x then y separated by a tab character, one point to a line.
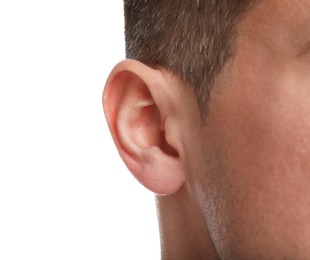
191	38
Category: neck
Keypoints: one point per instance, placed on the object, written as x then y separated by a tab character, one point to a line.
184	234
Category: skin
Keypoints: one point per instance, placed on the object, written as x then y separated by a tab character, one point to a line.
256	140
244	190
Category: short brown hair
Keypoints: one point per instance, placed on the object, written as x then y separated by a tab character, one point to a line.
191	38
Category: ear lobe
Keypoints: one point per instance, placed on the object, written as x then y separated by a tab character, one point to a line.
137	125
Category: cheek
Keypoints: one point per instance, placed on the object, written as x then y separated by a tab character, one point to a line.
260	166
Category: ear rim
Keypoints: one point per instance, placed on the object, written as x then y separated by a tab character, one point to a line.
151	173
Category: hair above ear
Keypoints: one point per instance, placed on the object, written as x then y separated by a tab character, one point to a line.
132	101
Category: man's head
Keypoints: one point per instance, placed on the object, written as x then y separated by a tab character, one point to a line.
192	39
237	186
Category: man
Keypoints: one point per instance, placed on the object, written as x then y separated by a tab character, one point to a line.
211	112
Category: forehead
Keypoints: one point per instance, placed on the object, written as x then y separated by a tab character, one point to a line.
289	6
278	22
283	12
291	13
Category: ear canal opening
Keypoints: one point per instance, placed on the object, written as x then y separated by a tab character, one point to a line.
152	112
167	148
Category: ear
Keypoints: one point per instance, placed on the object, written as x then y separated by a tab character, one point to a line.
139	106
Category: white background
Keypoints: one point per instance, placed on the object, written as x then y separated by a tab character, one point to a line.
64	192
